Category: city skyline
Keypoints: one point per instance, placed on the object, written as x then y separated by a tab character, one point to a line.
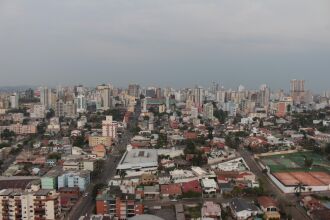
175	43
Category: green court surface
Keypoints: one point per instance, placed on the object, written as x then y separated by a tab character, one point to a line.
296	162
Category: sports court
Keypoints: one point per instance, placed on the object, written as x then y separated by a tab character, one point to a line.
306	178
296	162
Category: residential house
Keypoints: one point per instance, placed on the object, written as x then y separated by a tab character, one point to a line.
211	211
148	179
151	192
99	150
191	186
170	190
242	210
269	206
209	186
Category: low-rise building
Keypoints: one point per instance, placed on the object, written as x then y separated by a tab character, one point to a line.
209	186
49	180
96	140
242	210
117	205
170	190
192	186
99	151
68	196
79	179
139	160
269	207
211	210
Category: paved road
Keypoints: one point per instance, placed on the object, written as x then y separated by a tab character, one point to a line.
295	210
85	206
12	157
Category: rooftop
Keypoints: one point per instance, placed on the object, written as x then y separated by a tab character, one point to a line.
138	158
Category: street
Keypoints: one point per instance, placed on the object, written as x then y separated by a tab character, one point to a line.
86	205
295	210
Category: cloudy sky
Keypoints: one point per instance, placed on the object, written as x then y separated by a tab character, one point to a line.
165	42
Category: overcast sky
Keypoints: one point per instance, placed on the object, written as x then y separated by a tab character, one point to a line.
165	42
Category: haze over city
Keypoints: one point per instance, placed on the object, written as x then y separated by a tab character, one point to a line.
164	109
165	43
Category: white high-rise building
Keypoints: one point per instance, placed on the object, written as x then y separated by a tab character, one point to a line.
241	88
168	107
81	103
14	101
208	111
109	127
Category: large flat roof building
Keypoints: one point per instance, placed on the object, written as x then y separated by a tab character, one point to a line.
139	159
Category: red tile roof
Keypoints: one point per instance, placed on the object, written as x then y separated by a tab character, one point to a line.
193	186
171	189
266	201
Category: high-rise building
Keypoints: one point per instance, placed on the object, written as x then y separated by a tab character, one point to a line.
65	109
109	127
38	111
198	96
134	90
159	93
264	96
105	95
29	94
151	92
221	96
46	97
81	103
20	204
208	111
14	100
297	90
297	85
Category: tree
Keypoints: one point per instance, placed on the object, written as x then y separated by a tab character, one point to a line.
41	128
220	115
162	140
190	148
54	155
79	141
308	162
288	108
327	148
299	188
122	175
191	194
197	160
232	141
210	132
50	114
7	135
99	165
97	188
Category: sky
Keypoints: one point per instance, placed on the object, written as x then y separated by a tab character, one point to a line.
176	43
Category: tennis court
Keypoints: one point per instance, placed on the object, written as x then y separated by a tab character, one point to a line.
306	178
296	162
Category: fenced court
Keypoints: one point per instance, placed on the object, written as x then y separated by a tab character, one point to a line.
306	178
296	162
